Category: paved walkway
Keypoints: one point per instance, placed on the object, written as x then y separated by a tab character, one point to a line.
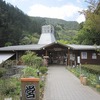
63	85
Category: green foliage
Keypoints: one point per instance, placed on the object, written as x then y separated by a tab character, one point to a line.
10	86
43	69
84	37
90	31
69	25
63	41
38	61
31	59
92	76
2	71
28	58
64	35
18	28
75	71
29	39
29	72
8	44
94	68
14	24
64	30
8	64
41	84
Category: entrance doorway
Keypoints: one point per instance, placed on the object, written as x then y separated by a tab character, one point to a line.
57	57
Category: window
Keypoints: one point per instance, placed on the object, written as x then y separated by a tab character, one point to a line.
83	55
94	56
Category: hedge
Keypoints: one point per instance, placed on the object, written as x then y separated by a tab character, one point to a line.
94	68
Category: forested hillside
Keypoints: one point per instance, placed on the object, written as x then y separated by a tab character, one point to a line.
64	30
70	25
14	24
18	28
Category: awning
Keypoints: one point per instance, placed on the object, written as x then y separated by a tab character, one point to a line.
4	57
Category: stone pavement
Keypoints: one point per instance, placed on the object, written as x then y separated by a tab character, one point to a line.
63	85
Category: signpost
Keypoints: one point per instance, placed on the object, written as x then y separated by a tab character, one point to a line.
78	59
30	88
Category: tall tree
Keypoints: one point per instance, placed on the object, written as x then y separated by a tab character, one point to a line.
90	33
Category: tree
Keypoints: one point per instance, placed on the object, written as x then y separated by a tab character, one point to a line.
29	39
90	33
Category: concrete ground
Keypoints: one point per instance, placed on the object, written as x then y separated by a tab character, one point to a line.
63	85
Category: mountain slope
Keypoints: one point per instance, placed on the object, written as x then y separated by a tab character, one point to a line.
70	25
19	28
64	30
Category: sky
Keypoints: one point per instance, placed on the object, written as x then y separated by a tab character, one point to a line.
61	9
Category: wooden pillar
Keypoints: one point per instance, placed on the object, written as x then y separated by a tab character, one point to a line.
68	63
46	53
17	57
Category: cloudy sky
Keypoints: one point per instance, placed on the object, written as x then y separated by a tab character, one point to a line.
62	9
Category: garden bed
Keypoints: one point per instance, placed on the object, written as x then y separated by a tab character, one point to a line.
91	73
92	68
10	87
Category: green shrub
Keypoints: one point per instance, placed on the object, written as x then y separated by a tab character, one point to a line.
29	71
8	64
92	78
37	61
2	71
28	58
92	68
31	59
41	84
43	69
10	86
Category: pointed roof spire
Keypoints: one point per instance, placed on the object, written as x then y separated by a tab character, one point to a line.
47	35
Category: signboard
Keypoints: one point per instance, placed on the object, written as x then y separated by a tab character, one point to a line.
78	59
94	56
57	49
30	88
